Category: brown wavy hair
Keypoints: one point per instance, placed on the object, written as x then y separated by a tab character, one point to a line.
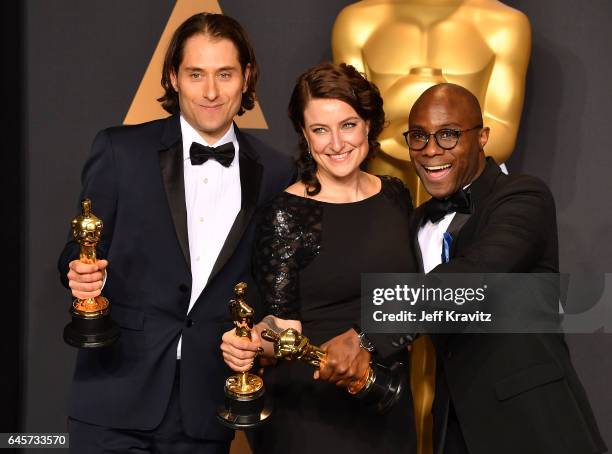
342	82
217	26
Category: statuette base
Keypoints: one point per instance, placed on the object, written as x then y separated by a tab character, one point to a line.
384	387
244	412
234	385
91	331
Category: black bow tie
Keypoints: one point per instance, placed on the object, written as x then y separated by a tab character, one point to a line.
199	154
436	209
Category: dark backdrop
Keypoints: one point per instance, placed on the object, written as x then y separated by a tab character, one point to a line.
565	139
85	60
11	220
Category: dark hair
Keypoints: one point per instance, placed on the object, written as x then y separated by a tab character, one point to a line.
217	26
342	82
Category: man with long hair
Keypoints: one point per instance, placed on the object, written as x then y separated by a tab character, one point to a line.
177	197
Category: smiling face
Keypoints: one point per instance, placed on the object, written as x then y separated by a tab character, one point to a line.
337	137
443	172
210	84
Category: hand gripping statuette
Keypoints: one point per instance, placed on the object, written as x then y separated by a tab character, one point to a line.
91	324
380	386
245	405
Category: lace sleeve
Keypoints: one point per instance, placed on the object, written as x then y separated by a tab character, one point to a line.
396	190
288	238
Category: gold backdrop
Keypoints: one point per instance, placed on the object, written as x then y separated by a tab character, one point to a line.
406	46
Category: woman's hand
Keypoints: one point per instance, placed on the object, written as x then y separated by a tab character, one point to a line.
239	352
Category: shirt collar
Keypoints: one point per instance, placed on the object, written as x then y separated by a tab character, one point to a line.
190	135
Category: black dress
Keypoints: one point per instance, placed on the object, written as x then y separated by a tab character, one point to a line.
309	260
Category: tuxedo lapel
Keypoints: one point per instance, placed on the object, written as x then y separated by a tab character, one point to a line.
482	187
459	220
250	183
462	224
415	224
171	163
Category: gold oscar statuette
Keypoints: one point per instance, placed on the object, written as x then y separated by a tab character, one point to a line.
245	404
91	324
380	386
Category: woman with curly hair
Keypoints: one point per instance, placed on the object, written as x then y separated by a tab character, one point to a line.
314	242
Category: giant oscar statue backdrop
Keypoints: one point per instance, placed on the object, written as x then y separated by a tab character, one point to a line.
406	46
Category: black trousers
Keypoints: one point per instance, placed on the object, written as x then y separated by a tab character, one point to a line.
448	437
454	442
168	438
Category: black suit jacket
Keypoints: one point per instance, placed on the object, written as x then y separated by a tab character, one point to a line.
134	178
512	393
518	392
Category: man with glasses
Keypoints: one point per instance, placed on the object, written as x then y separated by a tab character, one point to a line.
495	393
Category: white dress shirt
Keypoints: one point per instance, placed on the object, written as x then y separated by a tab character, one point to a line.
212	198
431	240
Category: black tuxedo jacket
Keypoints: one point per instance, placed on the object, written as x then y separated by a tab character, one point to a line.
519	392
512	393
134	178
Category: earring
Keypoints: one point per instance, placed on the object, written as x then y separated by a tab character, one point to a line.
310	159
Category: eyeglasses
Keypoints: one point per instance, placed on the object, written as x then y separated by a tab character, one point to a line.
447	139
